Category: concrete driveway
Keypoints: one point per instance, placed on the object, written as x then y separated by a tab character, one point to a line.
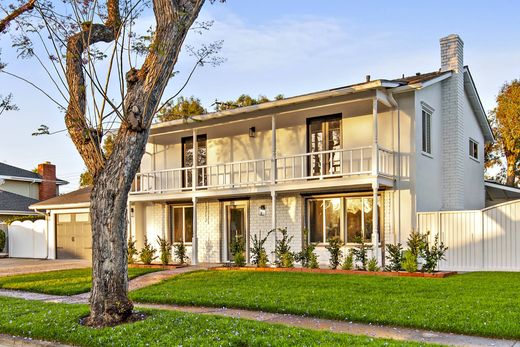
16	266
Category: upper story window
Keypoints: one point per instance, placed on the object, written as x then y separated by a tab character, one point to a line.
426	131
187	159
473	149
324	135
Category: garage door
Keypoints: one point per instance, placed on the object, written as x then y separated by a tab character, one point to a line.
73	236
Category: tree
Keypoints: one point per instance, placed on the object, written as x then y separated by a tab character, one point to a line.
80	37
182	109
505	121
243	101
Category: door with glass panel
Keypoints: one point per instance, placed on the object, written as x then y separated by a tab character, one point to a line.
187	160
181	224
236	232
324	135
359	219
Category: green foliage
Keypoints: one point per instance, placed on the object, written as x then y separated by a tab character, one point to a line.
334	248
183	108
12	219
394	255
2	240
409	261
132	250
239	259
373	266
243	101
165	248
306	256
181	253
348	262
432	254
282	250
415	242
237	249
258	252
360	252
147	254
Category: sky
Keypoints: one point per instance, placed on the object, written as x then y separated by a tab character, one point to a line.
289	47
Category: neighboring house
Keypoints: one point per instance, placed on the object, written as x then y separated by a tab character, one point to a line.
20	188
355	161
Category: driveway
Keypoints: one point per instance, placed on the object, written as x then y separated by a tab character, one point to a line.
16	266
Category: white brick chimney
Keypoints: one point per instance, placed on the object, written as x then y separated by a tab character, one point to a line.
454	145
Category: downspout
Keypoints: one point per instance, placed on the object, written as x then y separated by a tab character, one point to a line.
398	161
46	233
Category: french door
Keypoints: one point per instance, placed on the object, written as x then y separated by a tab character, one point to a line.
187	160
323	135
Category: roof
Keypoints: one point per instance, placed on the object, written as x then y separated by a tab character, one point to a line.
76	199
16	173
497	193
15	204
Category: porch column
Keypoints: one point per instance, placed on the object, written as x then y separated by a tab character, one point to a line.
375	222
274	170
273	218
195	159
375	149
195	240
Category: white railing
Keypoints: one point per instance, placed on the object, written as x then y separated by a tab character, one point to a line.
259	172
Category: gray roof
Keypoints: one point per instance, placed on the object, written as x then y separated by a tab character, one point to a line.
8	170
15	203
77	197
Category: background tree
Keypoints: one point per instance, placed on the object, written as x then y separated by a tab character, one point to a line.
108	80
183	108
242	101
504	154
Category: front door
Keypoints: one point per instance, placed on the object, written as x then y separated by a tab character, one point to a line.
236	228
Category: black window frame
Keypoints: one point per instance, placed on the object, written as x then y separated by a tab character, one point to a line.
200	138
322	119
426	131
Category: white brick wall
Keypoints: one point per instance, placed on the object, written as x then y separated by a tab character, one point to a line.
208	231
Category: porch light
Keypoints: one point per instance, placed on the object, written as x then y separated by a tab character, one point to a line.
261	211
252	132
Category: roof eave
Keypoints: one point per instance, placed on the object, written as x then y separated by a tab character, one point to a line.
478	108
59	206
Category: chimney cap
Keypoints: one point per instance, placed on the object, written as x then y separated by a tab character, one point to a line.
367	77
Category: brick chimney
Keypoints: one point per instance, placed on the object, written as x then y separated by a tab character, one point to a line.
48	187
454	146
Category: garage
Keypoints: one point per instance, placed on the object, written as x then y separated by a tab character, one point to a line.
73	236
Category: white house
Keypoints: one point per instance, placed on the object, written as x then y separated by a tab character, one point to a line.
359	160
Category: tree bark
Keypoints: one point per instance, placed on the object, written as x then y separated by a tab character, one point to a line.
511	169
4	22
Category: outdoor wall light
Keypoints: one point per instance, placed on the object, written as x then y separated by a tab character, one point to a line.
252	132
261	210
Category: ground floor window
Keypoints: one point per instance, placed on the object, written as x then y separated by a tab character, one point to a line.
349	218
181	223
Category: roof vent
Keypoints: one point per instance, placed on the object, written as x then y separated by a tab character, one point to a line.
367	78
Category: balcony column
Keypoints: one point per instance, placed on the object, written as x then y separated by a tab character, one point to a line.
194	161
375	222
195	240
273	150
375	145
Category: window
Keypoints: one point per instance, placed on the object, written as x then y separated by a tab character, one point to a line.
181	224
359	218
324	134
473	149
324	219
426	131
187	159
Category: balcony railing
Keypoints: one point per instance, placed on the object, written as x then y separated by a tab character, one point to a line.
259	172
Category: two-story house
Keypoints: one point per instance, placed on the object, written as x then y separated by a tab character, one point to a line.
354	162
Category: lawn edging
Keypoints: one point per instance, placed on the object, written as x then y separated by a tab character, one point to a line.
157	266
440	274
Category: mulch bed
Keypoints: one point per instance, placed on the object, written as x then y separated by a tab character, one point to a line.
439	274
157	266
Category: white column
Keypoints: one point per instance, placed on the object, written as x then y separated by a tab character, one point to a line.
273	148
195	159
195	240
375	222
375	151
273	217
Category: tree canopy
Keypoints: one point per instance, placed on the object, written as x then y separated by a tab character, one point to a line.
244	100
183	108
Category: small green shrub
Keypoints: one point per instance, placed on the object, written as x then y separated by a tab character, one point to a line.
165	248
258	252
360	252
334	248
237	249
416	242
373	266
239	259
147	254
181	253
287	260
307	256
313	261
263	259
432	255
132	250
409	261
348	262
394	255
282	250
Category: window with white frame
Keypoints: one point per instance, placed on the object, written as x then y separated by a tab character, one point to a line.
426	131
473	149
324	219
181	224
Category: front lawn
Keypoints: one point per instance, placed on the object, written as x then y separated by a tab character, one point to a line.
485	304
59	322
62	282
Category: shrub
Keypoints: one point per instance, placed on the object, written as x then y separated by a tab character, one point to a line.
132	251
409	261
166	250
282	250
239	259
258	253
394	257
10	220
360	252
147	253
348	262
307	256
181	253
373	266
237	249
416	242
334	248
432	255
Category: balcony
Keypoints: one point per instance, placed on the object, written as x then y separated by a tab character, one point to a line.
340	163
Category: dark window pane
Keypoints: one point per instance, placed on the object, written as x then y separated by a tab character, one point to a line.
369	220
188	224
177	224
354	228
316	220
333	218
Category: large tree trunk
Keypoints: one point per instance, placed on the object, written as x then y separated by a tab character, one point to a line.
510	171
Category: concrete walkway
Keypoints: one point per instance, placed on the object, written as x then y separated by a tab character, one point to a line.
16	266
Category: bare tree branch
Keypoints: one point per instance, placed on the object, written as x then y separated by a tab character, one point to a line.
4	22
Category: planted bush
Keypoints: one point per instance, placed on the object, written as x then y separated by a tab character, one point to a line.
432	254
416	242
394	255
132	250
282	250
181	253
258	252
166	250
2	240
409	261
373	266
360	252
238	251
334	248
348	262
147	254
306	256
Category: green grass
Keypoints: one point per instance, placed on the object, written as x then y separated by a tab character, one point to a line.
59	322
62	282
486	304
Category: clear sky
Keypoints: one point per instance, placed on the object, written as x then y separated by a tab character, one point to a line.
293	47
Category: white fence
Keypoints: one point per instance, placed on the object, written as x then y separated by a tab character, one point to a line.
28	239
482	240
